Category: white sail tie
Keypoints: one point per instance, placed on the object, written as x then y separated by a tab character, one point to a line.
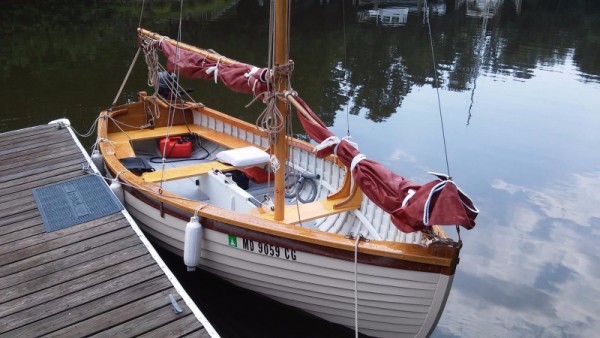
356	160
328	142
409	195
214	70
353	165
249	77
347	139
334	140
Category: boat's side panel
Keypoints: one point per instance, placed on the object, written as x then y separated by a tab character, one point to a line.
391	301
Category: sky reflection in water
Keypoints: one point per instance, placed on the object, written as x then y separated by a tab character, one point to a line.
529	159
531	267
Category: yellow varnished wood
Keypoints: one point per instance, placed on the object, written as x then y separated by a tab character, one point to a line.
355	196
310	211
223	139
344	190
145	134
185	172
123	150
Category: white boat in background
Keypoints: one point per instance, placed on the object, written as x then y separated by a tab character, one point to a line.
390	17
317	226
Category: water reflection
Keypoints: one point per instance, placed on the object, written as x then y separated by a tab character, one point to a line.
540	278
390	17
375	56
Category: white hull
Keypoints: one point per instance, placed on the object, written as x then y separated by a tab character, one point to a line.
391	302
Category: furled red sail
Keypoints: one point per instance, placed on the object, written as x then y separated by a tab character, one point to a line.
437	202
238	77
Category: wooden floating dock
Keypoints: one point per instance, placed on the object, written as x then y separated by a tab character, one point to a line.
100	278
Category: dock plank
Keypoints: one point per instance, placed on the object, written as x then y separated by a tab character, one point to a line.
92	278
59	275
59	320
153	311
56	239
62	297
26	163
50	255
183	326
11	223
21	233
29	183
44	171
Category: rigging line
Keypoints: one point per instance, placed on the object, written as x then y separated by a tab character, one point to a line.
141	13
437	85
358	237
172	109
345	62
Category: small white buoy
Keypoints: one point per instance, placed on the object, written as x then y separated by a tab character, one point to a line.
192	246
117	189
98	161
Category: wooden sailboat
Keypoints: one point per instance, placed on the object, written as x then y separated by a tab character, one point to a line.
327	231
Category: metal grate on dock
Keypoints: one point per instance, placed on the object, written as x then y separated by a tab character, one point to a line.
98	278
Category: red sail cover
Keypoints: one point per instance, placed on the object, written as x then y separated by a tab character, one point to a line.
238	77
446	206
437	202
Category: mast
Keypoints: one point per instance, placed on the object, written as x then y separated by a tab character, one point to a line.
281	81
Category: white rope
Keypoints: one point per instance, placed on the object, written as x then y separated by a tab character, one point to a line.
347	139
409	195
90	131
358	236
214	70
198	208
356	160
274	162
151	57
328	142
271	119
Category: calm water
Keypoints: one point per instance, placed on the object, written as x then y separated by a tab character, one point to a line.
521	107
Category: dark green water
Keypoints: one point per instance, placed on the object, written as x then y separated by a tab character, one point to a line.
521	110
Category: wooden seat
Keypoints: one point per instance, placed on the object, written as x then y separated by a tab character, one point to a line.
217	137
185	171
313	210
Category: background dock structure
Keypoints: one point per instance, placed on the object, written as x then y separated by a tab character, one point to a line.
99	278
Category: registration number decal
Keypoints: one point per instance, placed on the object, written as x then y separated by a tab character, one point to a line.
263	248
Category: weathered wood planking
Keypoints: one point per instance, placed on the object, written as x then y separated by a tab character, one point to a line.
95	278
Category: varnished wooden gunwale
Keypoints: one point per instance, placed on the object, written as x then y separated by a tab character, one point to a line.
445	257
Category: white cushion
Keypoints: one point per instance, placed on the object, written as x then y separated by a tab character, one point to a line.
243	157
